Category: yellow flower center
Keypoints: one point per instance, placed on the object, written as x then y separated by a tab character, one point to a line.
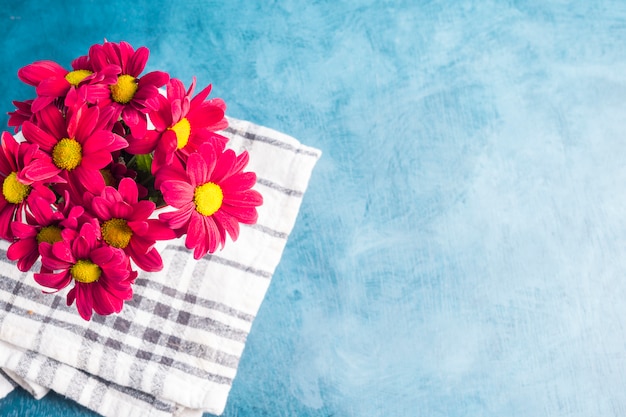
85	271
67	154
76	76
49	234
117	233
14	191
182	130
208	198
124	89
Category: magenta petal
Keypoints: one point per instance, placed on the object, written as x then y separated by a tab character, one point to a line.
84	300
149	262
242	181
111	195
71	296
128	190
91	179
224	165
63	253
99	140
51	119
101	255
175	89
21	248
100	207
87	124
246	215
177	193
81	247
195	232
206	116
142	210
26	263
6	217
139	228
156	78
244	199
201	96
105	303
161	118
41	169
213	233
38	71
137	61
35	135
179	218
42	211
53	265
141	245
144	145
96	160
53	280
121	210
159	231
164	151
228	223
136	121
53	87
197	169
23	231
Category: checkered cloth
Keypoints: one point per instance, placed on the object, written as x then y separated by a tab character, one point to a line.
175	347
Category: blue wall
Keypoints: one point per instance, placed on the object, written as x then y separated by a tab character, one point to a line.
461	250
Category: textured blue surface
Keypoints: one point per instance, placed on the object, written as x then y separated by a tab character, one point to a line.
461	248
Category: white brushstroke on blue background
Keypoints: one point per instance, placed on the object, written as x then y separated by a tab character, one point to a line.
461	248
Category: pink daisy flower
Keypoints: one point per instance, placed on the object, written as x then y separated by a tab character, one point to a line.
101	275
182	124
17	191
212	196
52	81
76	146
131	96
126	225
43	224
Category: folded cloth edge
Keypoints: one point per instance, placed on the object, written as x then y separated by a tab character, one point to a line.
270	136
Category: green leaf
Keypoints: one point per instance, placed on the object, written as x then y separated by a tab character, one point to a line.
144	162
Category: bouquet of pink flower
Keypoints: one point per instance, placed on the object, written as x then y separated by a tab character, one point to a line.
80	191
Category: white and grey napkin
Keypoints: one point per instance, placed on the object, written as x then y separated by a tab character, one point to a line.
175	348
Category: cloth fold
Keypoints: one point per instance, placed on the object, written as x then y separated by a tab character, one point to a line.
175	348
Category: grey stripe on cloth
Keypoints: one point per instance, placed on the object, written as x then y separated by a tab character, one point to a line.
175	348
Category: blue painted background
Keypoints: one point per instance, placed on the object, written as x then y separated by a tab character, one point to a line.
461	250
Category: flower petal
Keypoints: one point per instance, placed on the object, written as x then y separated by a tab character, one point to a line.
128	190
177	193
34	134
53	280
178	219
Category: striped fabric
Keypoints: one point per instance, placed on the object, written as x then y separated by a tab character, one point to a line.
175	348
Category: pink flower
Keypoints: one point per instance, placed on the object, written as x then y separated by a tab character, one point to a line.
52	81
126	224
43	224
182	124
130	96
101	274
17	191
77	146
212	196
